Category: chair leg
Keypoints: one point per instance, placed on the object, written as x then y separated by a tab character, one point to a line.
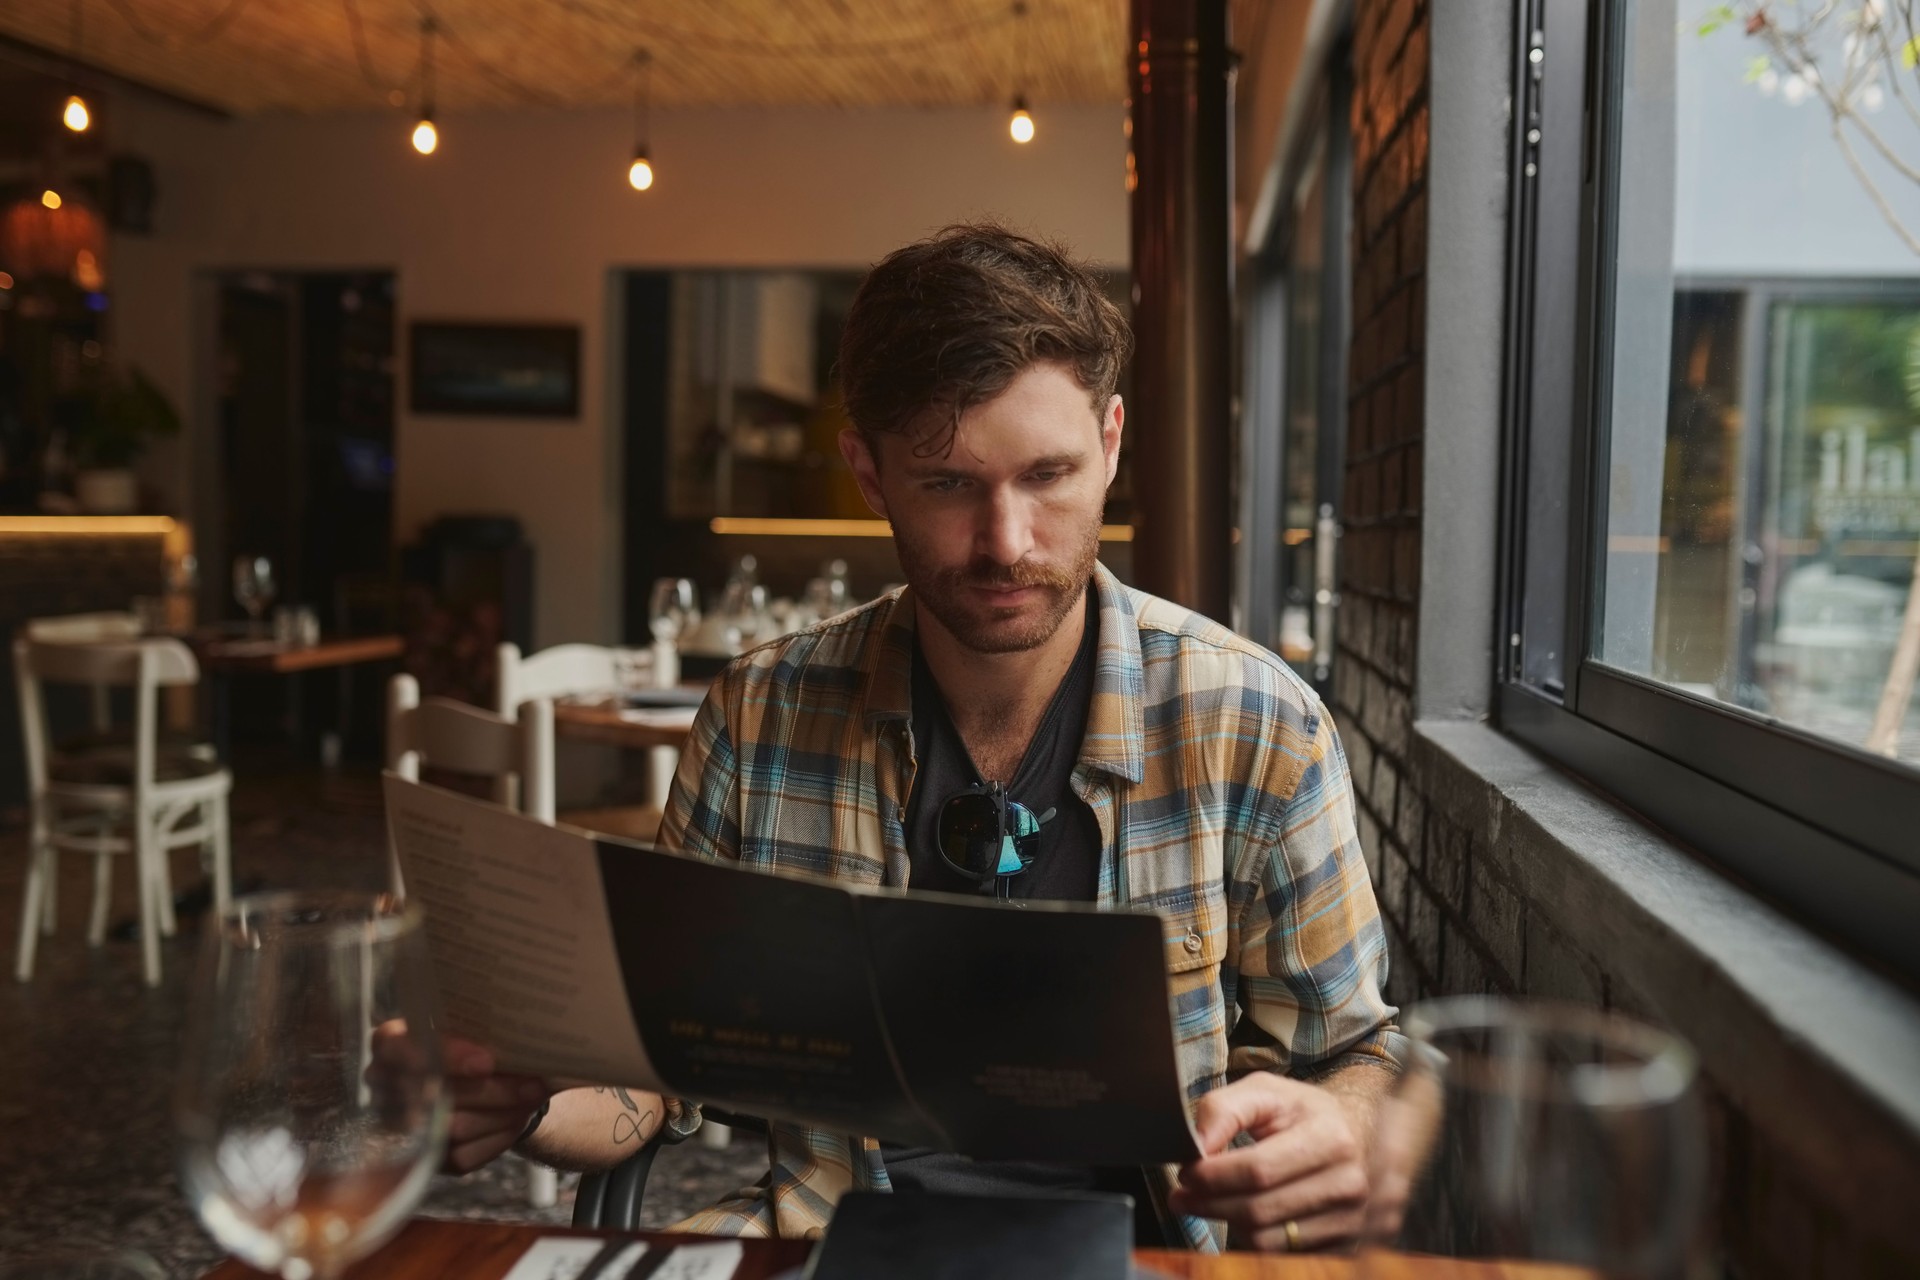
222	870
543	1186
49	908
102	898
38	873
147	876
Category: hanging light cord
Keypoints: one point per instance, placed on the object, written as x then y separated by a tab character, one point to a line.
428	29
642	97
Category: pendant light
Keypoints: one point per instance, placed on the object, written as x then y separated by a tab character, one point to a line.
1020	127
640	172
425	136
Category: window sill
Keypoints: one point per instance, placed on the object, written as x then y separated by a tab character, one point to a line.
1817	1049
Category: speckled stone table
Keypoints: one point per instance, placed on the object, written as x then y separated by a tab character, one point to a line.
87	1052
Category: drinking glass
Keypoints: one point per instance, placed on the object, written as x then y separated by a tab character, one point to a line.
311	1106
253	586
672	609
1538	1132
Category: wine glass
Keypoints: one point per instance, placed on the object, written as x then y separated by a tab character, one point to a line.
253	586
1538	1132
672	608
311	1106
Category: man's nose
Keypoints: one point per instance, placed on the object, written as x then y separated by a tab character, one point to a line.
1005	531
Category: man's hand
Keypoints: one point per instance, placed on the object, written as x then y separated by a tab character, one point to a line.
490	1110
1306	1166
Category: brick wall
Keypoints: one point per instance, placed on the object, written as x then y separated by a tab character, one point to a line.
1445	866
1380	545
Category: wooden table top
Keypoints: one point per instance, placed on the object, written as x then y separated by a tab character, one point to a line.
610	723
488	1250
231	654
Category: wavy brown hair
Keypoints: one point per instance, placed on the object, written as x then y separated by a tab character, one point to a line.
946	324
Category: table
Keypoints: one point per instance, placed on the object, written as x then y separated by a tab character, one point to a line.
487	1250
610	723
228	654
223	657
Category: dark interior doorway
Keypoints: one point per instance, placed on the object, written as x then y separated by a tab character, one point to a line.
305	461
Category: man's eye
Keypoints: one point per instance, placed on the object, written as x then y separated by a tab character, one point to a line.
945	484
1044	477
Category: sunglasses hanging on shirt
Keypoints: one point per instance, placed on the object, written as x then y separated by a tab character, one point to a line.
986	835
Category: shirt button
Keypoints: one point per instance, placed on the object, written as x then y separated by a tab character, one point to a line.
1193	942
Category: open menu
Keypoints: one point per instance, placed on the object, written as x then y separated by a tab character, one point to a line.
1041	1031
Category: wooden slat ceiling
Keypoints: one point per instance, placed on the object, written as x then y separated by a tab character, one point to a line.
310	56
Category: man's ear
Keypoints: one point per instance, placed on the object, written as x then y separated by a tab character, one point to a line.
1110	423
865	467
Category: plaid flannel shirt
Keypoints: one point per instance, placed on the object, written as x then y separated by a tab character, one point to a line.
1223	803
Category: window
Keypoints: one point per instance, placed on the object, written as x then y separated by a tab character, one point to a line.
1297	404
1713	437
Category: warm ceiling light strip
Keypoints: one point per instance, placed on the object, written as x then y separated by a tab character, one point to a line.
769	527
123	525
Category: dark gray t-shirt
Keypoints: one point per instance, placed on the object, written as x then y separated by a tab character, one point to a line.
1065	868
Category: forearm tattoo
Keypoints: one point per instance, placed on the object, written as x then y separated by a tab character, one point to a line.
630	1122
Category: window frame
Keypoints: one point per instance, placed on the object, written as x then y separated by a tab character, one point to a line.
1812	823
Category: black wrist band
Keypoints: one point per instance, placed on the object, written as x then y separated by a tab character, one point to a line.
534	1121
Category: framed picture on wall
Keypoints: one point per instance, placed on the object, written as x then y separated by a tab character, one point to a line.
513	370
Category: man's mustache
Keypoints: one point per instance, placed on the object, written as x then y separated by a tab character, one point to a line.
1008	576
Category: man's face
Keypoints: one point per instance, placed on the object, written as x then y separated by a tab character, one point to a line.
999	535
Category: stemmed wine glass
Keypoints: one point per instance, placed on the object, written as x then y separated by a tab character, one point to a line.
1538	1132
672	608
311	1105
253	586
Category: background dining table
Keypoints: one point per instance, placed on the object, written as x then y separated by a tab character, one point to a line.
488	1250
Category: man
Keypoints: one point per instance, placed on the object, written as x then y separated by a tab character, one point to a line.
1166	762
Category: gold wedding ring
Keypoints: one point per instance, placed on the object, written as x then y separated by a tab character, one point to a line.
1293	1236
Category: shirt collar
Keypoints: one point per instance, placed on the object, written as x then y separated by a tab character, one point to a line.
1116	715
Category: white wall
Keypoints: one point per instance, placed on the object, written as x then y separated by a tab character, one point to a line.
521	216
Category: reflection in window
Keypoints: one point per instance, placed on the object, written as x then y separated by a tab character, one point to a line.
1763	482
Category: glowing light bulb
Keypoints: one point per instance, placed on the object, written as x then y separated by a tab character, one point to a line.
76	116
1021	126
640	173
50	198
425	137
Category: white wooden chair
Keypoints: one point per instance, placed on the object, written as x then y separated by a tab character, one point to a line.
138	800
573	670
465	739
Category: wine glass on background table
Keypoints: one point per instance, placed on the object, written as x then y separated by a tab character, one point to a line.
672	611
311	1106
253	587
1538	1133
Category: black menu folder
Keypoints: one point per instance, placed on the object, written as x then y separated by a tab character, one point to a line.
880	1236
931	1020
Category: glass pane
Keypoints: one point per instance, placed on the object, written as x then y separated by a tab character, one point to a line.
1305	619
1763	462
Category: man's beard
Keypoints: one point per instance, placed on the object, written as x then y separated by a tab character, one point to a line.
984	628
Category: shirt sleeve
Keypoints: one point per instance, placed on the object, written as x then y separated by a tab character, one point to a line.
1312	952
702	817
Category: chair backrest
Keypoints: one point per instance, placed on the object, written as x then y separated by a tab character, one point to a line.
552	673
83	628
145	665
465	739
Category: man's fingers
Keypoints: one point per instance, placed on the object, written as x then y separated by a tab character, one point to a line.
465	1058
1285	1157
465	1157
467	1126
1259	1104
1334	1230
488	1093
1335	1189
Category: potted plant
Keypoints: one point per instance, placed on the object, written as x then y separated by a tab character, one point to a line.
117	415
